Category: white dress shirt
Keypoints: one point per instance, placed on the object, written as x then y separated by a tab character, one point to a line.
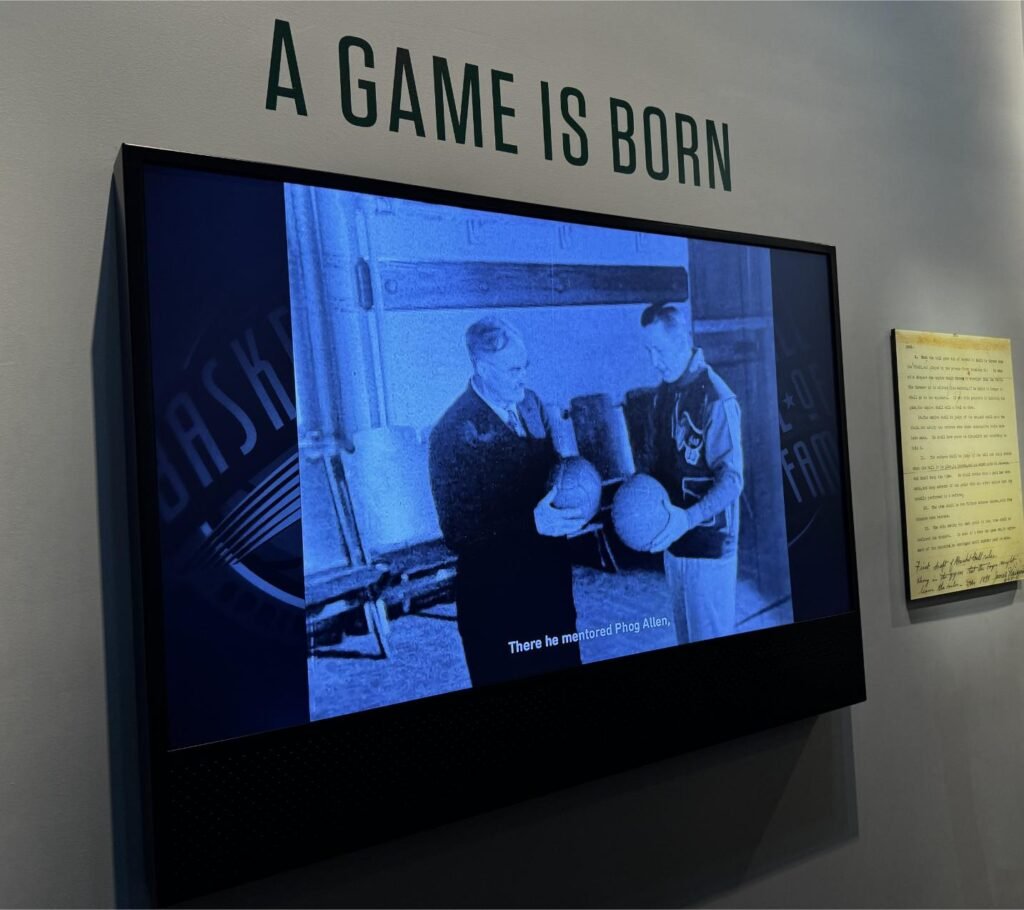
508	413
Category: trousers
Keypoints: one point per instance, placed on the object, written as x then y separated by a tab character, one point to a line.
703	594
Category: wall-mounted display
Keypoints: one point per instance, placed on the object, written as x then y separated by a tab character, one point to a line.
963	527
431	483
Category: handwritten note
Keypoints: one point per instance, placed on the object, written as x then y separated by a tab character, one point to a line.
961	466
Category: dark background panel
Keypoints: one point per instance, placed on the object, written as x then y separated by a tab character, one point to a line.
224	421
813	455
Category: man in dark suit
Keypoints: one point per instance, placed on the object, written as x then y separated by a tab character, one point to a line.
491	456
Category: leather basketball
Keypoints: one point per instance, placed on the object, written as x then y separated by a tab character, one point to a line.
577	485
640	511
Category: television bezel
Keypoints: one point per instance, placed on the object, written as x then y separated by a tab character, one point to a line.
173	871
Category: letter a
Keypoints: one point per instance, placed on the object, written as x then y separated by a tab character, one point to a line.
283	39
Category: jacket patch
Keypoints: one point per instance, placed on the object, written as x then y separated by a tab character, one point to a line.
689	438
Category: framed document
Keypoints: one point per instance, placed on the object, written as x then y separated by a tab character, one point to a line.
959	462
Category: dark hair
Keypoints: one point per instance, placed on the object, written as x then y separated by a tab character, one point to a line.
670	315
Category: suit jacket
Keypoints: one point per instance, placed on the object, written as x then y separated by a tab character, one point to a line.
512	584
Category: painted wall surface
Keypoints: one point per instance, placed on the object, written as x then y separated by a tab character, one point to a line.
894	132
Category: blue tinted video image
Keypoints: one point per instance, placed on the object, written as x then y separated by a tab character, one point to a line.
524	445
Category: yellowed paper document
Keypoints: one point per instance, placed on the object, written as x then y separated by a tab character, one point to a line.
961	465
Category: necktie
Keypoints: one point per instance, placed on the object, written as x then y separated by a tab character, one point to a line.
513	422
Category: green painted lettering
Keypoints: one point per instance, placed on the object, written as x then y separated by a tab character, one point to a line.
622	135
283	42
718	152
500	112
443	90
687	149
652	114
545	111
365	85
404	77
581	105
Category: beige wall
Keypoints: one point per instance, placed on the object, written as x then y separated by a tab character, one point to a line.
895	132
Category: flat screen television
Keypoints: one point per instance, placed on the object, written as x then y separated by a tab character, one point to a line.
443	501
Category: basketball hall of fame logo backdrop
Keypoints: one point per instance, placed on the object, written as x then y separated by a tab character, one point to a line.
809	434
228	473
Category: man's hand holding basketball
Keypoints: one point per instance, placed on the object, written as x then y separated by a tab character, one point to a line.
551	521
678	525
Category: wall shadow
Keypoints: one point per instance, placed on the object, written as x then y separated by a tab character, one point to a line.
963	603
672	833
126	800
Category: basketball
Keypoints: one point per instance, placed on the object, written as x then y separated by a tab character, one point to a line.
577	485
640	511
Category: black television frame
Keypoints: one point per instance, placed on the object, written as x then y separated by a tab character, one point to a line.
263	825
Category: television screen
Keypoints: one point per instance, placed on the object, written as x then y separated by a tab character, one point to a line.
396	444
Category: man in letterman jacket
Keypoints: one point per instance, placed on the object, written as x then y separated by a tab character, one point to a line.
692	446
